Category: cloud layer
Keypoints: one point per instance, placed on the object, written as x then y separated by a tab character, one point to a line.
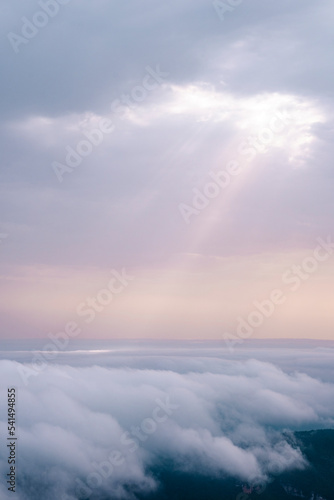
104	428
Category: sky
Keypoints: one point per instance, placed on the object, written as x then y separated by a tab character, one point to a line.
166	169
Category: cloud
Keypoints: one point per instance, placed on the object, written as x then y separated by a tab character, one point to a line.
229	421
120	206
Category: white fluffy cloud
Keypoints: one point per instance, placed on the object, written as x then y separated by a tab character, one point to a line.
73	422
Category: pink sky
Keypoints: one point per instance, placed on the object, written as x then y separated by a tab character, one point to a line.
198	159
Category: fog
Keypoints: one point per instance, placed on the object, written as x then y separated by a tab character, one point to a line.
89	430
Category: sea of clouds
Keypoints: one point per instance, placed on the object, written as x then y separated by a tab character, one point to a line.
94	423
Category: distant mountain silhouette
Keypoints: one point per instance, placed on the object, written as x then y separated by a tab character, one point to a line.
316	482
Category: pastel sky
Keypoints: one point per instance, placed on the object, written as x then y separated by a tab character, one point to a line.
186	145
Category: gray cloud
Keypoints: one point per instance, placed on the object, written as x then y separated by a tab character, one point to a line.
224	417
226	80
